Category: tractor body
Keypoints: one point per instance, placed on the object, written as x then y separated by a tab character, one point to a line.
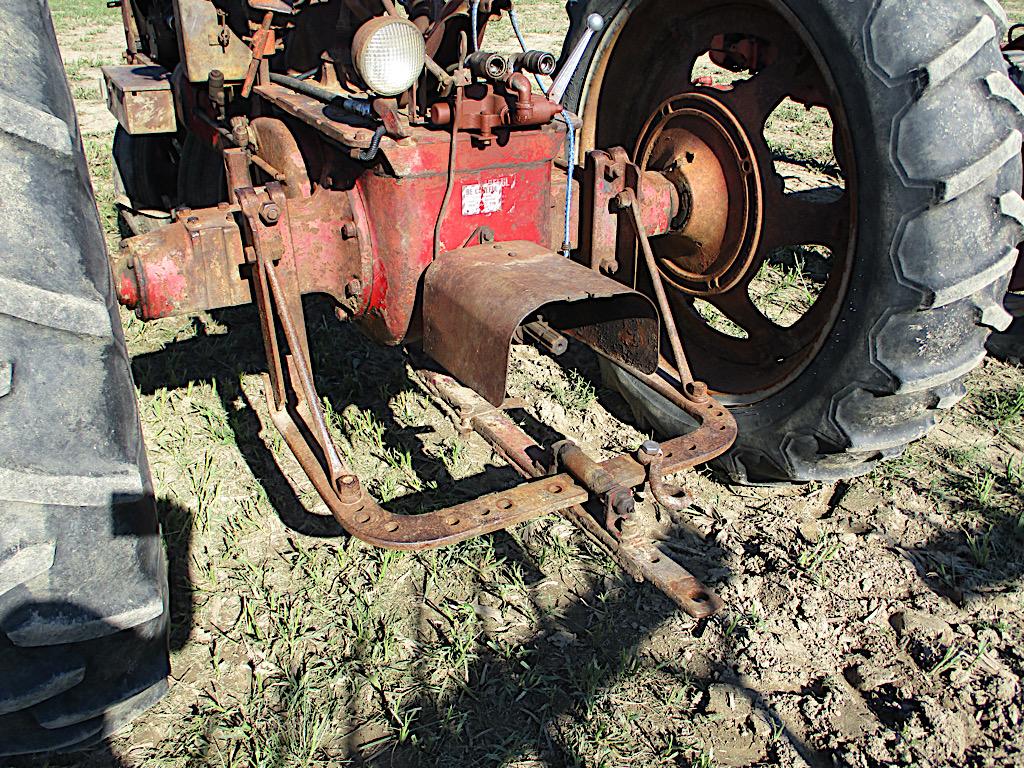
381	157
434	190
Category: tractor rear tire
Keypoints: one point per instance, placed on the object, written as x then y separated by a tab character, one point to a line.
935	126
143	166
83	591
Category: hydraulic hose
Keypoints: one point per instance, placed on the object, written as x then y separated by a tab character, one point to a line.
361	107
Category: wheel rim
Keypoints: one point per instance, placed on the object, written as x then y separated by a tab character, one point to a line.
739	220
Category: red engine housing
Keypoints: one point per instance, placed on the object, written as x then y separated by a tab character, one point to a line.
505	186
364	239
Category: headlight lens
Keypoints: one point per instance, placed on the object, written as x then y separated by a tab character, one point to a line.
389	54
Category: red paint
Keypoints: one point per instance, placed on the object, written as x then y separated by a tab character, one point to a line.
402	210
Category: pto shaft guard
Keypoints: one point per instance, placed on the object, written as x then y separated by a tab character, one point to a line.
474	300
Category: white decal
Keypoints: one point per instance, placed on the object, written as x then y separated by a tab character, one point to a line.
483	198
472	196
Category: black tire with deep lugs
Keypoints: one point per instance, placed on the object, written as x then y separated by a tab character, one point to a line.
83	595
936	131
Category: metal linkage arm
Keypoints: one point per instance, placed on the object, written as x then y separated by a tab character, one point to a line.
296	411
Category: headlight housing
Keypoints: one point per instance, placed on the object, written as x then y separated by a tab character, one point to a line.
388	54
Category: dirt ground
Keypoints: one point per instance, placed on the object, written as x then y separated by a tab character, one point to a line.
868	623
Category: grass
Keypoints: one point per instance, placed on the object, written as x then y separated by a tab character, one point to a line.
295	646
814	560
1002	408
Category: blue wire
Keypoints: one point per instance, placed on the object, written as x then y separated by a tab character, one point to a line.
571	161
570	138
474	8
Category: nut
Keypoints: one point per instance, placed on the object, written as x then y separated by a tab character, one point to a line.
349	230
697	391
349	490
650	447
270	213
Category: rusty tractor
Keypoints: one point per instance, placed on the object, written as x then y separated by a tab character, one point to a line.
456	200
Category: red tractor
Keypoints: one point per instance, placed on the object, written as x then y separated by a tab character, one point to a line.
455	200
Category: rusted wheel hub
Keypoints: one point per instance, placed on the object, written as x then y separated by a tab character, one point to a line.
702	148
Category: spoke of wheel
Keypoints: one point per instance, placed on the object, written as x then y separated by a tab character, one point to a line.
737	306
755	98
795	220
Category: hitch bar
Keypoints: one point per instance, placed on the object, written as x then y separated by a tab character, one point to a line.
296	411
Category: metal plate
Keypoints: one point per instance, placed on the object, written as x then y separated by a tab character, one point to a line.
208	44
475	298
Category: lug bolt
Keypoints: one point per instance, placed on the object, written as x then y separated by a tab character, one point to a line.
270	213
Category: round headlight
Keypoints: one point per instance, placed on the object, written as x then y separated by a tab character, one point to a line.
389	54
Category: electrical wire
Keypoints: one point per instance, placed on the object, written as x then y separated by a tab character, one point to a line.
452	155
370	152
570	139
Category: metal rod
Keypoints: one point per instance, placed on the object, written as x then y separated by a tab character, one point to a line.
270	170
595	23
546	337
629	198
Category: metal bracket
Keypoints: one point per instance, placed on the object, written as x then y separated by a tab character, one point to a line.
474	300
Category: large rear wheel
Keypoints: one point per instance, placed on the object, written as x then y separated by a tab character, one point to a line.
83	586
850	209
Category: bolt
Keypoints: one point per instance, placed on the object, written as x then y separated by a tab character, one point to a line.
697	391
223	206
623	200
486	235
650	447
353	288
349	230
348	489
270	213
648	452
192	220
